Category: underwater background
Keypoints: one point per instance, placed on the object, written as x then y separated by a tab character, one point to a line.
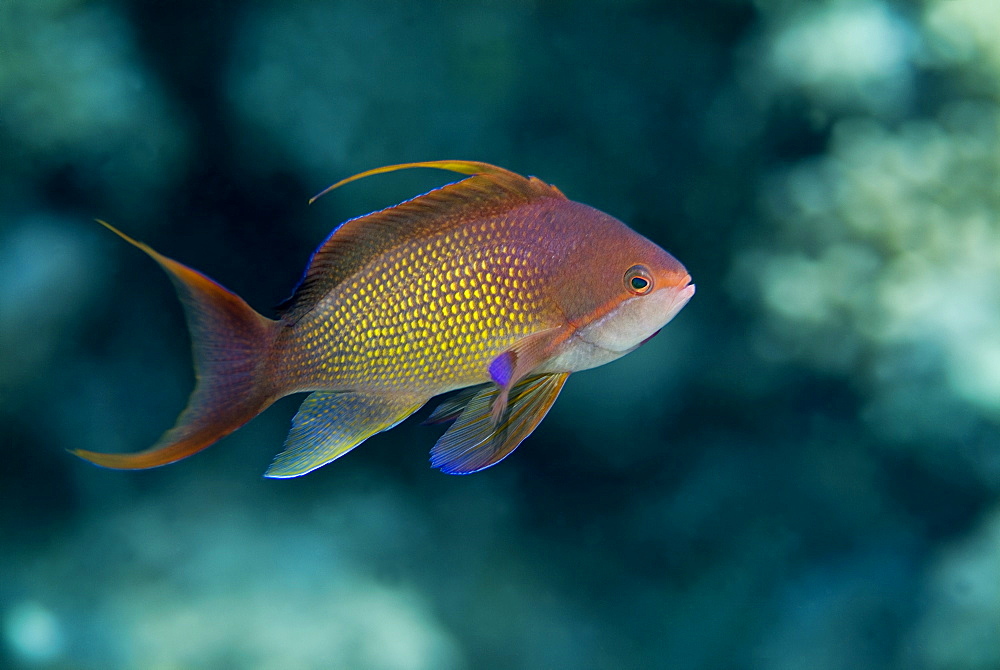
801	471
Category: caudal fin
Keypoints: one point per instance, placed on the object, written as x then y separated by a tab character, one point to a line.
231	344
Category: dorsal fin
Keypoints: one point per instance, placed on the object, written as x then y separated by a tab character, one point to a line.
490	190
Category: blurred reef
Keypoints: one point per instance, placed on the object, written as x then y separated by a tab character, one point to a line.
801	471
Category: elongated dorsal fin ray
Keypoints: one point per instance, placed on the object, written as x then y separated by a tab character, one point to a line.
461	167
487	191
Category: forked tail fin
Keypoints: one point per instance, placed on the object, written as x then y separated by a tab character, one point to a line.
232	345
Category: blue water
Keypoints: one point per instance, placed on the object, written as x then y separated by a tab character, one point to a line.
801	471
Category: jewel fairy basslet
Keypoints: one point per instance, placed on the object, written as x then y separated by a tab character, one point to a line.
496	284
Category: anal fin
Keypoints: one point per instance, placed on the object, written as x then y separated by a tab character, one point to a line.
478	440
329	424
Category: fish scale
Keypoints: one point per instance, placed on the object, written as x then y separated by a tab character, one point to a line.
433	315
496	284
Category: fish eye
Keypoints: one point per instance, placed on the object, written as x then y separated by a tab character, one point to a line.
638	280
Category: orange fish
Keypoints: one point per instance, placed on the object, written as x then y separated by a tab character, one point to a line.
496	284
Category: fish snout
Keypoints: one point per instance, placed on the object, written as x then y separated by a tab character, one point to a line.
681	287
679	294
686	289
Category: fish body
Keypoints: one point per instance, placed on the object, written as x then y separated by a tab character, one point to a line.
496	284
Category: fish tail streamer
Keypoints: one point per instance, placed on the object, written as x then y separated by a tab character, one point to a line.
232	347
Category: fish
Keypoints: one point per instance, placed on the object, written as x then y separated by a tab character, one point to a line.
496	286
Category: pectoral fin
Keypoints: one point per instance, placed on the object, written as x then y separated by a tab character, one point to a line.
515	363
477	440
328	425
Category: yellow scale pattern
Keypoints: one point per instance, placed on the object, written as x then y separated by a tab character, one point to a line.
427	317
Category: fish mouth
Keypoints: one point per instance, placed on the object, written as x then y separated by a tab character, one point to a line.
684	293
680	299
687	289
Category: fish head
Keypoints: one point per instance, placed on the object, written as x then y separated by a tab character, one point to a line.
618	291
